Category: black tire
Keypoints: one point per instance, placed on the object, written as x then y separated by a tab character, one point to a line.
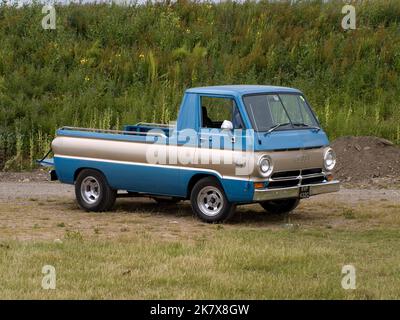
102	200
280	206
223	209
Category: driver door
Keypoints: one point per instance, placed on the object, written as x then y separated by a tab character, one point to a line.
216	111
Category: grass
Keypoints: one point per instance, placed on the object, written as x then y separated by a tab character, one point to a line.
231	264
348	213
158	253
108	65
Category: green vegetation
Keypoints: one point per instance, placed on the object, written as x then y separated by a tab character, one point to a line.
106	65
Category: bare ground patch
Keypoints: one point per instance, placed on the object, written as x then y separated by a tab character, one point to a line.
48	211
142	250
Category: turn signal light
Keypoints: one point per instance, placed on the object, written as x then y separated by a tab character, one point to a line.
329	177
258	185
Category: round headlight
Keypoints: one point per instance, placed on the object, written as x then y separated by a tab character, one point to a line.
329	159
265	166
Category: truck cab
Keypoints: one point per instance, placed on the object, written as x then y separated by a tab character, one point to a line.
230	145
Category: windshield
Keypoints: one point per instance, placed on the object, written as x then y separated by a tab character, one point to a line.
287	110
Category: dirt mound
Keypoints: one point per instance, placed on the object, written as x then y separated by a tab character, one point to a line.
361	159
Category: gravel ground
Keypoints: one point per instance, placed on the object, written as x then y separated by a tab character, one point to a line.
50	190
35	184
31	208
37	190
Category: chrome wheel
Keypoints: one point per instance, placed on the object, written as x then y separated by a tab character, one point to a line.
210	201
90	189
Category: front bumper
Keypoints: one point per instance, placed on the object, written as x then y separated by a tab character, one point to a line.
294	192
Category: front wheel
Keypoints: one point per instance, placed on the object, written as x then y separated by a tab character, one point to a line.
209	201
280	206
93	192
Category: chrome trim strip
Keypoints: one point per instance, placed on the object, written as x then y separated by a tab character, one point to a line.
293	192
154	165
314	175
156	134
153	124
285	178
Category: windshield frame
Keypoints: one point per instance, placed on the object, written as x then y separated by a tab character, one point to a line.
289	126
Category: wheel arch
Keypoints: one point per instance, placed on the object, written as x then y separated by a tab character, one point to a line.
79	170
197	177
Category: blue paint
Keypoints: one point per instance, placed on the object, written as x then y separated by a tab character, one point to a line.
153	180
106	136
49	162
189	113
239	90
290	139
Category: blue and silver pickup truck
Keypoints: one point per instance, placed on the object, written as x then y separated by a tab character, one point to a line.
231	145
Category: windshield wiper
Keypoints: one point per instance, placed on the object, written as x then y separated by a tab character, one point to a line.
277	126
301	124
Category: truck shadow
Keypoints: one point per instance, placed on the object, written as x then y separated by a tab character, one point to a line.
246	214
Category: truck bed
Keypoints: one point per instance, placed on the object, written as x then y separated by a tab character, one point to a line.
146	127
138	132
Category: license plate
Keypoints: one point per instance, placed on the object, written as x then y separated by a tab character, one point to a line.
304	192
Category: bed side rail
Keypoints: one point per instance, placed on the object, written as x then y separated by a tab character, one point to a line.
152	124
156	134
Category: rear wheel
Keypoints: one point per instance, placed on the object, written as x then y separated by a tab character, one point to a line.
93	192
280	206
209	201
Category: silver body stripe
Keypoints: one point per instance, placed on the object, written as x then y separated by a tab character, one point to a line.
154	165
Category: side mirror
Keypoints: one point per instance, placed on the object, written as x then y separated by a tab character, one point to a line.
227	125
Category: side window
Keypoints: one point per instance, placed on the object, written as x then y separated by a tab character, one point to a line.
216	110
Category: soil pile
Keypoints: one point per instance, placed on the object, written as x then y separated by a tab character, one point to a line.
360	159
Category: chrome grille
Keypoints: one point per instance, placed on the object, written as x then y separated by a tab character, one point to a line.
284	179
286	174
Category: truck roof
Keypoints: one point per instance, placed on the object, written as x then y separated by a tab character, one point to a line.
241	89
